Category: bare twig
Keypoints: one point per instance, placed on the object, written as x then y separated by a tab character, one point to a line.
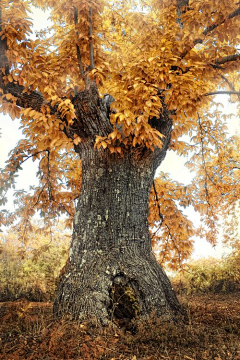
223	92
158	205
204	166
49	176
27	157
63	207
39	195
230	85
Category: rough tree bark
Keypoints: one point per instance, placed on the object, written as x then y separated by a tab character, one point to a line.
111	272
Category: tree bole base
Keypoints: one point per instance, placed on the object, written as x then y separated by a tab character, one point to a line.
119	285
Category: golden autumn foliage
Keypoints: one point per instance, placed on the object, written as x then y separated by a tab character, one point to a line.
151	56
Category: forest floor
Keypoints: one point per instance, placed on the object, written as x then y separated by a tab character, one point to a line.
28	331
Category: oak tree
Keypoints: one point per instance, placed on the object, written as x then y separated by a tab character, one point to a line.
102	94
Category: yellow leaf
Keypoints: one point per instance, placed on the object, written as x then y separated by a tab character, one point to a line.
77	140
104	144
151	58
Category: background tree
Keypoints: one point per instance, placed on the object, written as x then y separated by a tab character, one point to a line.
102	95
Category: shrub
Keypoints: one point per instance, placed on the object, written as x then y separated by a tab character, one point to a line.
210	275
31	270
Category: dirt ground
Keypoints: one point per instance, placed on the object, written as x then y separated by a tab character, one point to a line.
28	331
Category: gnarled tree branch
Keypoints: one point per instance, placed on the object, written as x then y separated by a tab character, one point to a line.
30	99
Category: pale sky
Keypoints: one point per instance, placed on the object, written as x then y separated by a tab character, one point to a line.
173	164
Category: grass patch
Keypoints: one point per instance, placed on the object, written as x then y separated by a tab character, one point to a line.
28	331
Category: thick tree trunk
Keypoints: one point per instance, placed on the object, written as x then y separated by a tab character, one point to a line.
112	272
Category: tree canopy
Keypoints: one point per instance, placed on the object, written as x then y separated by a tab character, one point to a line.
145	58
